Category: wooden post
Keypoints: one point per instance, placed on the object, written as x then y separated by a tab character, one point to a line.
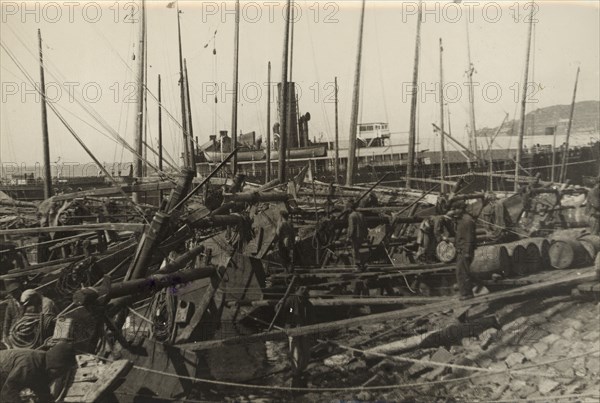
337	138
355	101
442	145
45	138
268	146
283	101
412	136
565	156
523	102
234	104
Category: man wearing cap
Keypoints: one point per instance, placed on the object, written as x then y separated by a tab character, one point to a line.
465	244
13	311
357	232
33	369
34	302
286	237
593	207
496	219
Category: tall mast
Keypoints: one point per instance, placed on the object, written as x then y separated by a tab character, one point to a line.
337	137
268	145
160	145
283	101
190	137
46	140
355	103
470	72
412	135
442	145
160	135
186	151
523	101
291	66
139	133
565	156
234	105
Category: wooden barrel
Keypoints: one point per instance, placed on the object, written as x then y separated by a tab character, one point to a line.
516	252
490	259
591	243
565	253
445	251
543	246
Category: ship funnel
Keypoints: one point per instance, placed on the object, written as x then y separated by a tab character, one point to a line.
293	138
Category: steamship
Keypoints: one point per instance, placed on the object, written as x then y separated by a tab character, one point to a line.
379	153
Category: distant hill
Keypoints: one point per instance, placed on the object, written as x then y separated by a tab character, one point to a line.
547	121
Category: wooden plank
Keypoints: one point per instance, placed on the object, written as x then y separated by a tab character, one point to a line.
577	276
349	301
209	294
107	377
116	226
144	187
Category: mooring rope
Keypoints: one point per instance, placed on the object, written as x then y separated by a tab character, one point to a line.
365	388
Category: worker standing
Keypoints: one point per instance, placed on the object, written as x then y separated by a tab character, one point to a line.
286	237
465	245
357	232
593	208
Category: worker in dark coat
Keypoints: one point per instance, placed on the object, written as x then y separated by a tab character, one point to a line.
593	207
465	245
496	219
357	232
33	369
286	237
433	230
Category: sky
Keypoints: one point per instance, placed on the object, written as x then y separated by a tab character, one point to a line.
91	54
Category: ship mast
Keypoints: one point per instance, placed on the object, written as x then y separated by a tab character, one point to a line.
470	72
268	146
160	133
355	101
442	139
412	135
283	101
190	137
186	152
337	137
45	138
523	102
139	133
234	105
565	156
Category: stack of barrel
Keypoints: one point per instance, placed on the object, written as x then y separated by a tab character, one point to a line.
564	249
517	258
573	248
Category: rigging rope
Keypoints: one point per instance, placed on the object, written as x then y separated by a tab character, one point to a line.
97	117
70	129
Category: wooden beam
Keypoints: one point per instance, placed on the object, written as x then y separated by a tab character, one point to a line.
143	187
578	276
107	226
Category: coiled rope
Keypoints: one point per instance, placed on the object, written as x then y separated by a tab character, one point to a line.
31	330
